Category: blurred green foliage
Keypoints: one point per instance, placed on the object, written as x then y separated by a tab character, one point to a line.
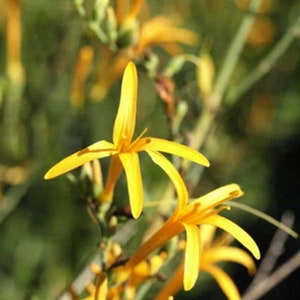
46	236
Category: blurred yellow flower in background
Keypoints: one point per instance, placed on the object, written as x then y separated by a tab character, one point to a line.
99	291
263	29
133	38
213	250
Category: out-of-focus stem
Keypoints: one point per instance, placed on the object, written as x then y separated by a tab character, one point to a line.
15	74
276	248
267	63
275	278
235	50
213	102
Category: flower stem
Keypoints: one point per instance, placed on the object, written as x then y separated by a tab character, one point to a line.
266	64
235	50
265	217
158	239
213	102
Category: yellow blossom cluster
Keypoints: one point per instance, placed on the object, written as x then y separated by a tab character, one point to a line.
125	36
117	280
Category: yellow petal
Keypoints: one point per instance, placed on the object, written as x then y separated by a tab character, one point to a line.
232	254
207	233
125	119
205	74
224	281
173	174
131	165
99	292
135	8
219	196
115	170
192	256
177	149
160	31
94	151
236	231
102	287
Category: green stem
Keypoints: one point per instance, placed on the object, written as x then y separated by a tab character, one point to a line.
235	50
265	217
266	64
14	144
200	131
213	102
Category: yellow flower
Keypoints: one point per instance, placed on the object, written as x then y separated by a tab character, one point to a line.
81	73
159	30
135	38
187	217
145	270
213	251
124	150
100	291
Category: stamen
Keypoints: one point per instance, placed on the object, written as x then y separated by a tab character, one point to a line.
87	150
190	211
138	143
197	218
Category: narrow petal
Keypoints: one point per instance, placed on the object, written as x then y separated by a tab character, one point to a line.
236	231
219	196
161	31
102	288
192	256
232	254
177	149
173	174
224	281
120	10
135	8
207	233
95	151
115	170
131	165
125	119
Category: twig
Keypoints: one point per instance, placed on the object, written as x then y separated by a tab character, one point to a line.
263	281
275	278
86	275
275	250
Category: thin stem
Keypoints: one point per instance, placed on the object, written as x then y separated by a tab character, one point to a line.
12	198
16	79
275	250
266	64
265	217
275	278
235	50
85	276
213	102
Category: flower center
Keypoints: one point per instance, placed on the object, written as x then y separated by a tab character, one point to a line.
137	145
